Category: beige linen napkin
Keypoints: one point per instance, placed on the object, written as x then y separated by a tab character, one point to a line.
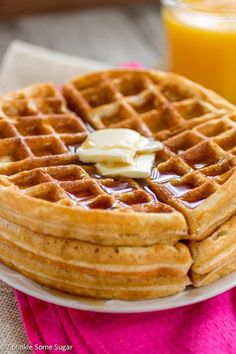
22	65
25	64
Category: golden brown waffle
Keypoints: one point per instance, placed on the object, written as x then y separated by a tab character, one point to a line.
92	270
40	137
69	201
36	129
157	104
196	169
215	256
196	172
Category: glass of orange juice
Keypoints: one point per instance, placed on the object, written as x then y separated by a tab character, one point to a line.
201	42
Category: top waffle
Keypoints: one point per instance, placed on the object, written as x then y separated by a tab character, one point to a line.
45	187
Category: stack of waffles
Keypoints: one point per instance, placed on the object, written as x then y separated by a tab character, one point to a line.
65	226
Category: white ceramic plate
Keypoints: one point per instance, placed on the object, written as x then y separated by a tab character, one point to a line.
189	296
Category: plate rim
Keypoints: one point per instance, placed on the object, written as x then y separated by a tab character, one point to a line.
29	287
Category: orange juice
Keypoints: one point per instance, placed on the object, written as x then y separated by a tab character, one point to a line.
201	38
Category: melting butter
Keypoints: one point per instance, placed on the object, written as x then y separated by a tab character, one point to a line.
140	168
109	145
120	152
145	145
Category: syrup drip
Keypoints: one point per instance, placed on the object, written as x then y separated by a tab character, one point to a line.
80	199
192	205
180	151
118	204
73	148
212	177
86	201
117	187
151	193
96	175
178	191
198	166
89	127
147	189
158	177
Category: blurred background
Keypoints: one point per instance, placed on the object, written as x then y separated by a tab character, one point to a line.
199	40
114	31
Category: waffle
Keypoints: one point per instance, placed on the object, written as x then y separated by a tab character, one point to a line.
36	129
67	201
196	169
50	202
96	271
37	133
198	175
215	256
156	104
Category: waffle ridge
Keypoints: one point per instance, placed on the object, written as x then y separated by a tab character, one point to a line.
36	128
154	103
197	164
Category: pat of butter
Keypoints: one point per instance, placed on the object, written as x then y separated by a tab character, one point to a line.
145	145
115	145
120	152
109	145
140	168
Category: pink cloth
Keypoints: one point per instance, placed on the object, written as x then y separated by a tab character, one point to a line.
205	328
132	64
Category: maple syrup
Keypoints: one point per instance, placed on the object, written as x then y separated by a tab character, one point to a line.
89	127
116	187
151	193
73	148
198	166
78	199
178	190
159	177
192	205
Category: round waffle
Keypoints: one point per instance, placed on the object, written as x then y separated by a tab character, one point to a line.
38	130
